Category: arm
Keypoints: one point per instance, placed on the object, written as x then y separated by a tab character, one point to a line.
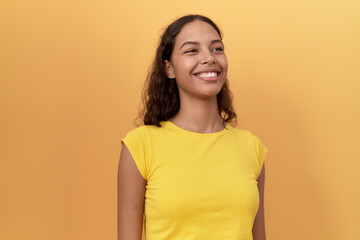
259	223
131	195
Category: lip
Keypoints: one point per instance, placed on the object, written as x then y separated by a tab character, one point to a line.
209	79
208	70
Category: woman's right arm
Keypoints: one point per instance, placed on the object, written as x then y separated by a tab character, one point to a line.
131	197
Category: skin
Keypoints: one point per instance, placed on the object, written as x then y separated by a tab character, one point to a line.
131	198
198	104
259	223
198	113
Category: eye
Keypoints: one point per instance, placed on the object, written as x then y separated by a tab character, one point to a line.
191	51
218	49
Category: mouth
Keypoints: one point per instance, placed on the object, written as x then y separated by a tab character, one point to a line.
208	76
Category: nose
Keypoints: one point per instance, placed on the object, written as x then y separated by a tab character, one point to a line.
207	58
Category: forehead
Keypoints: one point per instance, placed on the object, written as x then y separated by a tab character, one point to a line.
196	31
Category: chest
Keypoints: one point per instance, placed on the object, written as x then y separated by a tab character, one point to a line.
188	182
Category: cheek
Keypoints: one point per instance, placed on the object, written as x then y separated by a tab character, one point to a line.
224	62
186	66
224	65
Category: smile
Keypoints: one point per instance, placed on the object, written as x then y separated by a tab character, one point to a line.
207	75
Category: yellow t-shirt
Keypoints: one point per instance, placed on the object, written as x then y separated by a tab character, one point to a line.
199	185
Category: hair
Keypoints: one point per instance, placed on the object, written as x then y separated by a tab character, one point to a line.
160	95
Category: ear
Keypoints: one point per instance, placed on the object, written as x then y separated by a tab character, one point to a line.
169	69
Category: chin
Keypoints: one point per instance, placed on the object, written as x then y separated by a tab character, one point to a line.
209	94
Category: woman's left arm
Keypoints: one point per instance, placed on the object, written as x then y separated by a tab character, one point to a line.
259	223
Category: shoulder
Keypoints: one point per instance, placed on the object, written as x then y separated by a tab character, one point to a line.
143	131
246	136
242	133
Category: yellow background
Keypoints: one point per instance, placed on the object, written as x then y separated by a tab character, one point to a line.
71	77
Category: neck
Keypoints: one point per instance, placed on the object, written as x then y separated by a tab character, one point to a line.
199	115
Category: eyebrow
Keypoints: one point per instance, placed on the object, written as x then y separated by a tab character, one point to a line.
197	43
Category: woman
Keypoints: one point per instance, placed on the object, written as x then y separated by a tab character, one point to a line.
191	173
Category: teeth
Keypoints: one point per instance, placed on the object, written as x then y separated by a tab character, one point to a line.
210	74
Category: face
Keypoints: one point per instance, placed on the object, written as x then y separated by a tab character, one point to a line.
198	62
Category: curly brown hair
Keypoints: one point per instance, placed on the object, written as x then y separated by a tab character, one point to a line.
160	95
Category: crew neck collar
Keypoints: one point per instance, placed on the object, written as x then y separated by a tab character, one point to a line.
177	128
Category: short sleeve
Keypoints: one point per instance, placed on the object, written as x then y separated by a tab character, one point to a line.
137	144
261	152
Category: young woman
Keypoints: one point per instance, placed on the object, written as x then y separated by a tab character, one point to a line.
192	174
